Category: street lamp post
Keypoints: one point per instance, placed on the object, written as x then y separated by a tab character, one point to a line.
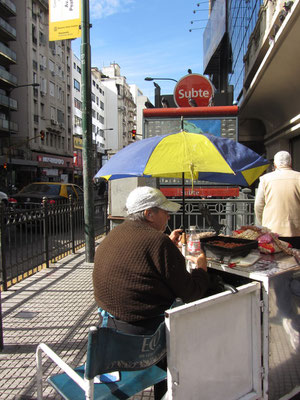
9	169
149	78
157	90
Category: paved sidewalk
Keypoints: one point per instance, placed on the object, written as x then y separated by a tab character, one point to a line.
54	306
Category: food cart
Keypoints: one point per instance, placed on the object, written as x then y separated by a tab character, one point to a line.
239	344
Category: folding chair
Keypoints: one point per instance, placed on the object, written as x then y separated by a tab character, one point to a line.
108	350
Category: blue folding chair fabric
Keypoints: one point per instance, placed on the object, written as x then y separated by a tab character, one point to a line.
128	353
131	382
111	350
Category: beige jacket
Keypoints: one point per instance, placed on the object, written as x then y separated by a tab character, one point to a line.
277	202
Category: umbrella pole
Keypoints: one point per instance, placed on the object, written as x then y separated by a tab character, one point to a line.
183	202
183	236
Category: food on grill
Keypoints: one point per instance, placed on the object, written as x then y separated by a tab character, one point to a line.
249	234
227	245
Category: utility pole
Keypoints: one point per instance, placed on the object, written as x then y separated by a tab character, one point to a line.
88	159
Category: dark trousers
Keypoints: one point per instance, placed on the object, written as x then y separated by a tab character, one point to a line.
144	328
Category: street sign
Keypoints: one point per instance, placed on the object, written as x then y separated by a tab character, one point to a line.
64	19
193	90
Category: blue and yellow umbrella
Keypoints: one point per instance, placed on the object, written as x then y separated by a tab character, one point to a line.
187	155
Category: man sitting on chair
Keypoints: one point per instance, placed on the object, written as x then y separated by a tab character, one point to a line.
139	270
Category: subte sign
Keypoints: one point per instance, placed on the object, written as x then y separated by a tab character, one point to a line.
193	90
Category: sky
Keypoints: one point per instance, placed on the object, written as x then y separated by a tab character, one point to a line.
147	38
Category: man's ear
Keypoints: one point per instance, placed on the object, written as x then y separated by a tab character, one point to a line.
148	215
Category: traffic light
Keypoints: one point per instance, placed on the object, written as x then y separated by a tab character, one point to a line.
5	165
133	134
42	135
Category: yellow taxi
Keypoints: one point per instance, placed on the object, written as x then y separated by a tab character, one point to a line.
53	191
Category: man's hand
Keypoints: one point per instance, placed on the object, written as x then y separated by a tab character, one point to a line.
175	236
200	261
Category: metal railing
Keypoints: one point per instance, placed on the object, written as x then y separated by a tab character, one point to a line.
209	214
35	236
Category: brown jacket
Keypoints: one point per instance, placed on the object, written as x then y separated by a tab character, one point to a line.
277	202
139	272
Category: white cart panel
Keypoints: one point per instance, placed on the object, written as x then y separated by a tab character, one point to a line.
214	347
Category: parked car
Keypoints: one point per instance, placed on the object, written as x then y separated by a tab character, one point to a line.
34	193
4	198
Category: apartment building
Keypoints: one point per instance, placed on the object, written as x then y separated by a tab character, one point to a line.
99	120
140	100
121	109
8	81
251	47
44	108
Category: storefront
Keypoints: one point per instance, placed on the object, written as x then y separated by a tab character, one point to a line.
22	172
54	168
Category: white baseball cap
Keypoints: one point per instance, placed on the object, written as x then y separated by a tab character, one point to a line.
144	197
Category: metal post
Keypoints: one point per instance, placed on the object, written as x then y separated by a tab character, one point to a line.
88	160
9	167
2	247
46	231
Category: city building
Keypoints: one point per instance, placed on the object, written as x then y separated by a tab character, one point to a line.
37	81
250	49
8	82
140	100
99	119
45	118
121	114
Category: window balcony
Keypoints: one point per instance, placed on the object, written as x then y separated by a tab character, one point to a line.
6	101
7	78
7	31
7	56
14	128
8	8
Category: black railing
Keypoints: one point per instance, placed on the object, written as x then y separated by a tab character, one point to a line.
223	215
35	236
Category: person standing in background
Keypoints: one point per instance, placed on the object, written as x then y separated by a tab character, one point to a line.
277	201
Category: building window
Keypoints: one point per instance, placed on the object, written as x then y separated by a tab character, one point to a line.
76	85
53	113
78	121
60	117
52	89
34	36
42	106
77	104
51	66
43	86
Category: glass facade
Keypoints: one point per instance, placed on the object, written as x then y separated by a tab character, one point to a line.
242	18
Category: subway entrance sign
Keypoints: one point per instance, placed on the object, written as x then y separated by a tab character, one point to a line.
193	90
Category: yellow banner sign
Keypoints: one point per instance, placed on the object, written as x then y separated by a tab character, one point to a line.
78	143
64	19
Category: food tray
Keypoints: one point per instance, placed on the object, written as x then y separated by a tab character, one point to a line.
217	250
